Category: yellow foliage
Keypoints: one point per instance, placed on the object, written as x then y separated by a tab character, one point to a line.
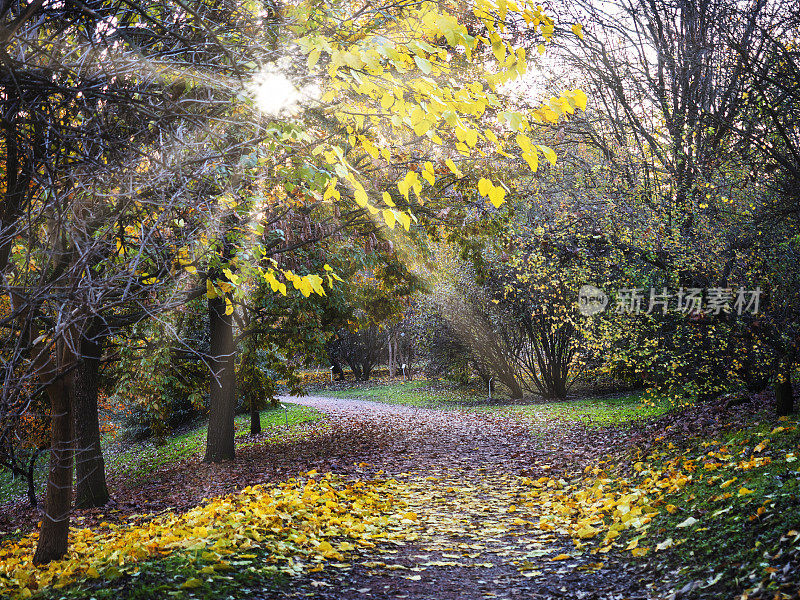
296	518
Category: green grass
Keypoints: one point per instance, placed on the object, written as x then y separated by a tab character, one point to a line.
611	410
737	537
168	577
12	488
412	393
135	461
608	410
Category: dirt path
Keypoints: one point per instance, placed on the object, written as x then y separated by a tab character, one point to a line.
476	537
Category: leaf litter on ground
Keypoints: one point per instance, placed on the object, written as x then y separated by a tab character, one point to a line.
481	502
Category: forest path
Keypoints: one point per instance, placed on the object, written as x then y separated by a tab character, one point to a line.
463	474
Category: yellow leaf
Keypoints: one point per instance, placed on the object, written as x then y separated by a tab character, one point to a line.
548	153
422	127
313	57
587	532
524	142
330	191
228	306
687	523
577	30
667	543
744	492
211	291
580	99
388	216
453	168
361	197
561	557
404	219
532	159
232	277
423	64
192	583
497	196
387	199
639	552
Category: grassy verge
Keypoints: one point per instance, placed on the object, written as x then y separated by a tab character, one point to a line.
181	576
136	460
420	393
737	524
608	410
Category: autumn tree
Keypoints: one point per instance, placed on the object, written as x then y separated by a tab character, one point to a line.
97	123
132	140
679	182
339	159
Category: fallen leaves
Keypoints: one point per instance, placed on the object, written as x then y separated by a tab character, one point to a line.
458	497
299	518
687	523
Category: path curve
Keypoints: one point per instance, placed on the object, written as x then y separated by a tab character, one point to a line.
417	436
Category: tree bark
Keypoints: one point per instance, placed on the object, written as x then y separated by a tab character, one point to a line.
255	421
332	348
30	477
394	355
784	397
220	440
55	521
515	390
90	469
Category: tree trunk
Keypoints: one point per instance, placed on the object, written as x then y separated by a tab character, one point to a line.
255	421
513	387
90	469
394	356
55	521
332	348
355	368
392	362
30	477
558	382
784	396
220	440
